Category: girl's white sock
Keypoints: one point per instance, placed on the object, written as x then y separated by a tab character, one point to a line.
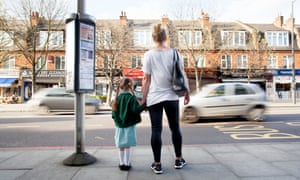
122	157
127	157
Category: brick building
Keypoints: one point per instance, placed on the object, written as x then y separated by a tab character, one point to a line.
217	51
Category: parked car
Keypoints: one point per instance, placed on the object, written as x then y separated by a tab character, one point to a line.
59	100
225	100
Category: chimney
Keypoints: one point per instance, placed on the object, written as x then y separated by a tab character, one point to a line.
204	19
34	18
165	21
123	18
278	21
289	23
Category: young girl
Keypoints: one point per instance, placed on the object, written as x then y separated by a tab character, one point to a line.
126	114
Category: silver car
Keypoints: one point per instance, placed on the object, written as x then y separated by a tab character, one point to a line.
58	100
225	100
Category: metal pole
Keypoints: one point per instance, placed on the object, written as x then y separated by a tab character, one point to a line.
81	7
79	113
79	116
293	58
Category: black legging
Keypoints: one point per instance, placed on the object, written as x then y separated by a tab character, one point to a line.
156	113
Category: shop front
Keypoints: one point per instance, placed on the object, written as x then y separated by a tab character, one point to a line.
9	86
44	79
279	82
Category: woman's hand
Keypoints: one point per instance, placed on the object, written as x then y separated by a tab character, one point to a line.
186	97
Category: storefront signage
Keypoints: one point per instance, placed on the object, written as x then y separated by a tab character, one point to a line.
284	72
44	73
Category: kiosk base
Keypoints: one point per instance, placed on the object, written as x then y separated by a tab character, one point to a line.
79	159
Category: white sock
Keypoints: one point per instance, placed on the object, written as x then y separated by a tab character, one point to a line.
121	157
127	157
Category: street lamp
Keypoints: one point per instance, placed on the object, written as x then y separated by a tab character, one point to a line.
293	57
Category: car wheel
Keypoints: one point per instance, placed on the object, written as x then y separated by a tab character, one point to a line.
189	115
90	109
255	114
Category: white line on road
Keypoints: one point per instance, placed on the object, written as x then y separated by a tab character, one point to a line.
29	126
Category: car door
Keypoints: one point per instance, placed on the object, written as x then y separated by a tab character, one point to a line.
69	101
243	97
59	100
217	102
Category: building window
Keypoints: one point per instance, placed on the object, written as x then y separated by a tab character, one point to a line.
189	38
41	63
5	40
185	59
200	60
142	38
59	62
106	64
278	38
136	61
104	39
225	61
234	38
272	62
242	62
55	38
287	62
9	62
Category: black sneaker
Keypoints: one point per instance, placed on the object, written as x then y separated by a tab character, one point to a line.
156	168
122	167
179	163
125	167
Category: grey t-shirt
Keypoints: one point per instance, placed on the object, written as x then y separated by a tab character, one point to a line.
159	64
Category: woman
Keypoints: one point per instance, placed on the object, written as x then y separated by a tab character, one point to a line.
159	96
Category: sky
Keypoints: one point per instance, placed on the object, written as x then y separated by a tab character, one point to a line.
248	11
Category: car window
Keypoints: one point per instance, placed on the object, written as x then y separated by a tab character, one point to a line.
218	91
242	90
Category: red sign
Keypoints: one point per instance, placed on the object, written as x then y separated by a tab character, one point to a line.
133	73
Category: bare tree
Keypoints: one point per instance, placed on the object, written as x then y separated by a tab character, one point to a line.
257	53
193	35
4	37
33	25
112	44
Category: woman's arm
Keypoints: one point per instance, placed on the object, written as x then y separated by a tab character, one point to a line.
145	87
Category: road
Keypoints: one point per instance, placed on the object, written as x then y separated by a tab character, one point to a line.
27	130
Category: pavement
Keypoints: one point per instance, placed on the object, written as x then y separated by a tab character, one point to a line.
245	161
267	161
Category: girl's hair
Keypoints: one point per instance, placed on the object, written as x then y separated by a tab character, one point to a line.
159	33
125	84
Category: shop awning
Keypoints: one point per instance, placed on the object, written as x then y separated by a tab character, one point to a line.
133	73
7	82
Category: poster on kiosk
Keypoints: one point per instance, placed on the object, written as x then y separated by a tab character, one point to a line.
80	55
